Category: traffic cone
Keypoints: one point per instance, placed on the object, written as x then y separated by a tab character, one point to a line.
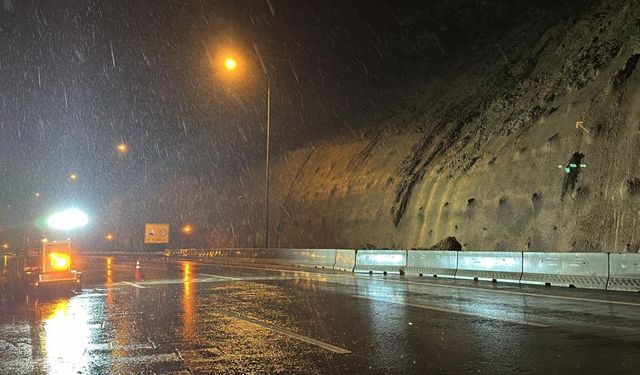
138	272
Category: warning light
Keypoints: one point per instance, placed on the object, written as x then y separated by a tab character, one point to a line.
59	262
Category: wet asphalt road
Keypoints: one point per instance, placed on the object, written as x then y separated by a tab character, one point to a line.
196	318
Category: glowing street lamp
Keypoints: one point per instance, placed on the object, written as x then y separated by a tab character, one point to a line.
109	237
231	64
73	177
5	246
187	229
122	148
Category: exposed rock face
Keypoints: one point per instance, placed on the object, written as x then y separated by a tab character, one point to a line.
486	149
449	243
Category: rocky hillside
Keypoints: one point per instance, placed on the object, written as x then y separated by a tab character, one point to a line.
484	148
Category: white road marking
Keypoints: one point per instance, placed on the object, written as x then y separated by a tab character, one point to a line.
132	284
221	277
440	309
147	359
438	285
109	346
285	332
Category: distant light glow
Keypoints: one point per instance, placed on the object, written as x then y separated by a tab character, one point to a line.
68	219
109	237
187	229
123	148
73	176
230	63
5	246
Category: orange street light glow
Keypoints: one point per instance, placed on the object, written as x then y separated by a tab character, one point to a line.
123	148
73	176
109	237
230	63
187	229
5	246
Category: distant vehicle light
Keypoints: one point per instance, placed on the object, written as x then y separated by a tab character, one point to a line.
59	262
68	219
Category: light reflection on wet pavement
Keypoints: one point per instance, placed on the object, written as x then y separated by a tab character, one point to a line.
189	317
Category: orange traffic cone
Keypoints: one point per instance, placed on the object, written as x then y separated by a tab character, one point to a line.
138	272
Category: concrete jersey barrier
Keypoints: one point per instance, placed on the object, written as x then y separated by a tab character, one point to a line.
432	263
319	258
322	258
582	270
585	270
624	272
490	266
345	260
380	261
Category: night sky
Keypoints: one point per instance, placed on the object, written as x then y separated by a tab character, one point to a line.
79	77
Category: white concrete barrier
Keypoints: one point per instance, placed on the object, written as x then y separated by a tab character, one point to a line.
318	258
345	260
581	270
432	263
624	272
380	261
285	257
490	266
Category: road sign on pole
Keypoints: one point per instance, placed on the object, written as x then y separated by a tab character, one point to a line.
156	233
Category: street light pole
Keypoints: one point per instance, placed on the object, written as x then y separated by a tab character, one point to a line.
266	169
231	64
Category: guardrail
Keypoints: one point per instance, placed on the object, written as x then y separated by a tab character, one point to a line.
610	271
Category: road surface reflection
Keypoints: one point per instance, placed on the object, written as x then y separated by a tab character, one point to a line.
66	337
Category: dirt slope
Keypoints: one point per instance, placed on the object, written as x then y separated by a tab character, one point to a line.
485	149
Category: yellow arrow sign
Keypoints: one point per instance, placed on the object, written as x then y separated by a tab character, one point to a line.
580	125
